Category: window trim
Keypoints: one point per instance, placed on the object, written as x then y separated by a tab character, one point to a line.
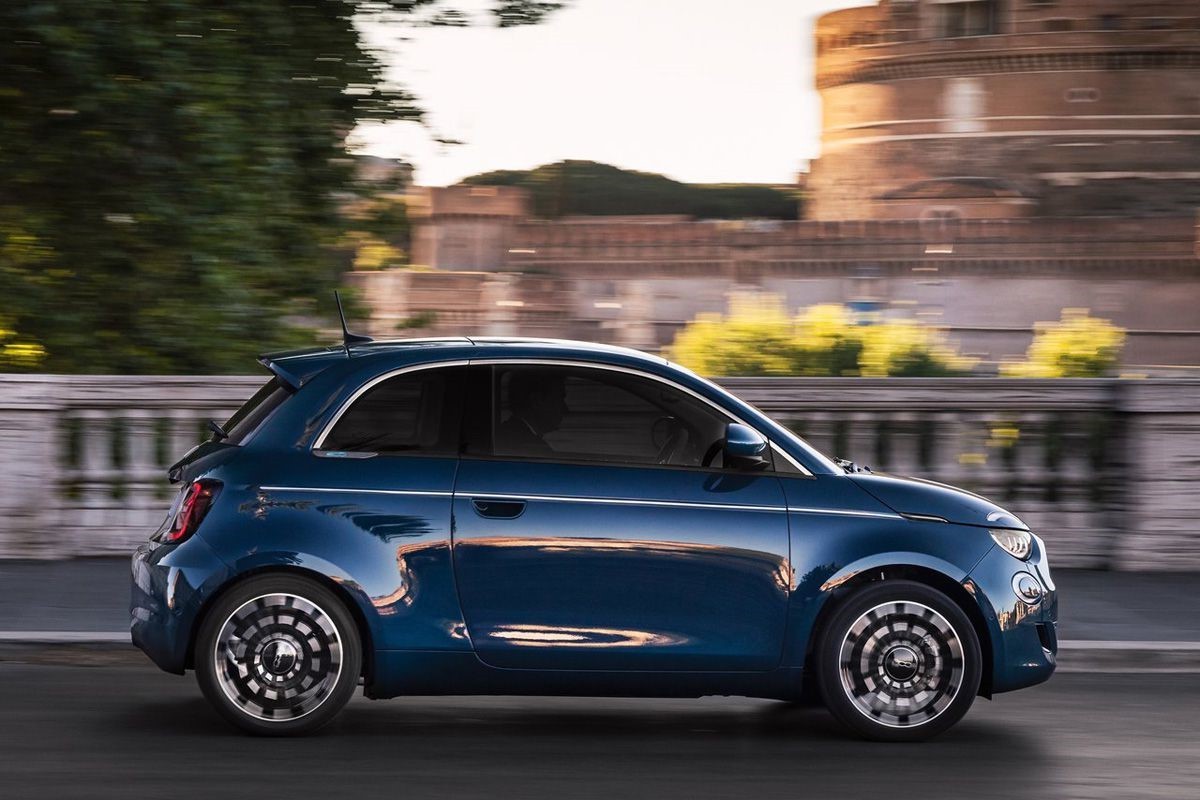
560	362
318	443
805	472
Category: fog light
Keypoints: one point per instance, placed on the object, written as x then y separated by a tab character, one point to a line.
1027	588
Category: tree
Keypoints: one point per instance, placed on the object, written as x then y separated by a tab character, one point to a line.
757	337
1077	346
587	187
171	172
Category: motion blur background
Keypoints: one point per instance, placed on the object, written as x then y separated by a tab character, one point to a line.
955	239
964	244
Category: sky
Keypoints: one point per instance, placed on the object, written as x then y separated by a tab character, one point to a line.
704	91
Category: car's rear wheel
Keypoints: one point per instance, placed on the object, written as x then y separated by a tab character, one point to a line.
898	661
278	655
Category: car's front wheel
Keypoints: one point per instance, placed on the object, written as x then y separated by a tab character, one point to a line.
898	661
278	655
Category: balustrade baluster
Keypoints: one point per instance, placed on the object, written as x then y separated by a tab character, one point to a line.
1028	468
946	446
94	478
184	434
817	428
861	437
989	463
903	432
142	475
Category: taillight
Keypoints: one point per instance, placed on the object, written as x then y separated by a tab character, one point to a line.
192	510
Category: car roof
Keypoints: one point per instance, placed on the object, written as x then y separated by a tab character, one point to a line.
297	367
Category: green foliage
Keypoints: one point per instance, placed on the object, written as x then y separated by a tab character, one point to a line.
757	337
171	172
586	187
1077	346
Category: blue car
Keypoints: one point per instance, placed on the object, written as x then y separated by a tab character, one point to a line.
535	517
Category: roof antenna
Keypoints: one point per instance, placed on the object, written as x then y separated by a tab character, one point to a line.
348	338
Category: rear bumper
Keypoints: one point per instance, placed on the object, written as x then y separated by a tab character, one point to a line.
170	584
1024	637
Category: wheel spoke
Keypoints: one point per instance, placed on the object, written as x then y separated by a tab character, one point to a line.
278	657
901	663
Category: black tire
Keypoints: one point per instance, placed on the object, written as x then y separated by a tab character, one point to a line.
898	661
278	655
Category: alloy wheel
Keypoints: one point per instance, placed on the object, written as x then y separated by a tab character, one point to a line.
278	657
901	664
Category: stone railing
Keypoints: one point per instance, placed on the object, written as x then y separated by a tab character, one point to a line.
83	459
1107	471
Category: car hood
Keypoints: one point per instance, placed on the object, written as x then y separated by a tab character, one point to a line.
913	496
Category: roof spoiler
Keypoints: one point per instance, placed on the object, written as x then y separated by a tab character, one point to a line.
293	382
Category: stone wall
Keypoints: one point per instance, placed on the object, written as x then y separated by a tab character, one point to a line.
1104	470
987	282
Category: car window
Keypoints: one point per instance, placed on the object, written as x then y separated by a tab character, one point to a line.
585	414
252	413
412	413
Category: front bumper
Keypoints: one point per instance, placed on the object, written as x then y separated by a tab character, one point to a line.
169	588
1024	637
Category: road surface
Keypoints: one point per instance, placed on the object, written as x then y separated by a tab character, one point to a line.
134	732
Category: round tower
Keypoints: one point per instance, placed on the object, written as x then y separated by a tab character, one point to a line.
1008	108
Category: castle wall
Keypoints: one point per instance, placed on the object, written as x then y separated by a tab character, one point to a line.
985	164
1079	107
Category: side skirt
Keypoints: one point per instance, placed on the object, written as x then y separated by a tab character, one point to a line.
415	672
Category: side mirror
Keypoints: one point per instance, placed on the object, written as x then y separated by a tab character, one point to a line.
744	448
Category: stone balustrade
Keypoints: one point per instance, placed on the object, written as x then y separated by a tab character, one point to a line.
1106	471
83	459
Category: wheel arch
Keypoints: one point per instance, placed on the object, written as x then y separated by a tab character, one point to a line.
843	587
339	590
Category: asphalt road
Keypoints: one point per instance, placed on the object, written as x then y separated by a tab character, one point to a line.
133	733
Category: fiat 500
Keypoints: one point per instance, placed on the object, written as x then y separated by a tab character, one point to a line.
525	517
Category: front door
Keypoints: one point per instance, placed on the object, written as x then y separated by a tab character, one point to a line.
595	528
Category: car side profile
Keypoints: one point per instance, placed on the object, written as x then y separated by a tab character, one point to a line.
538	517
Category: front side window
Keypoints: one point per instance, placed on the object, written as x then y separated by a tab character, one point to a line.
414	413
583	414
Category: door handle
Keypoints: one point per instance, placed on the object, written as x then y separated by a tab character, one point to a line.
498	509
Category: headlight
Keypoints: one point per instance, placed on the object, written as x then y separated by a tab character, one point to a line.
1017	543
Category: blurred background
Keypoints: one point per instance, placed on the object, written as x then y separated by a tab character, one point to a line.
949	238
954	239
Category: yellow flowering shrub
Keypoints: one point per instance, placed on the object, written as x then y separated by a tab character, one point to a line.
1077	346
758	337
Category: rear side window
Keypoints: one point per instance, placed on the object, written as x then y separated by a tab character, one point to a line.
246	419
413	413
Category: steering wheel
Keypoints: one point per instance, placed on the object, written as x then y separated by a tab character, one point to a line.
674	433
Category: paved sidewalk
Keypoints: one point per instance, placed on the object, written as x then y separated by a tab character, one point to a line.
1109	620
